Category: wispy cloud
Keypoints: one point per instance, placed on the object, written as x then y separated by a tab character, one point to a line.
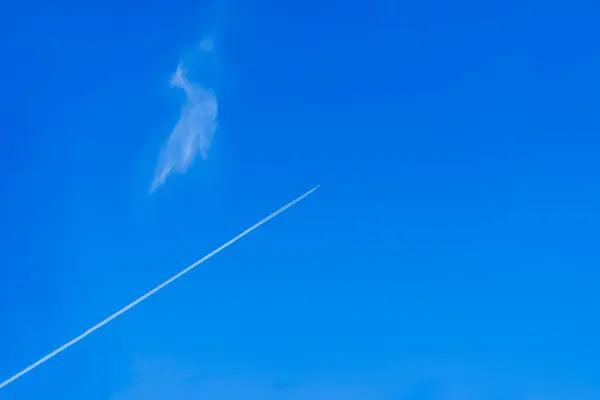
240	390
164	381
193	133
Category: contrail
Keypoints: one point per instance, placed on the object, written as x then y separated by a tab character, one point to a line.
153	291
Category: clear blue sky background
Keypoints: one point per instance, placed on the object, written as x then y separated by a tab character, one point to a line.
452	249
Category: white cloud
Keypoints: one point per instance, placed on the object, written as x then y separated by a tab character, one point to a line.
165	381
162	380
193	133
241	390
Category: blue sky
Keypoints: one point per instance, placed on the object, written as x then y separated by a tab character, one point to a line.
450	253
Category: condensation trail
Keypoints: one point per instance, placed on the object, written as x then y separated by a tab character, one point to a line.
153	291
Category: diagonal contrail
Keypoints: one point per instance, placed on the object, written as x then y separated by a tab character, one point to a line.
156	289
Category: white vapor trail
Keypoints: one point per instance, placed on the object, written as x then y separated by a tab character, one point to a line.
153	291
